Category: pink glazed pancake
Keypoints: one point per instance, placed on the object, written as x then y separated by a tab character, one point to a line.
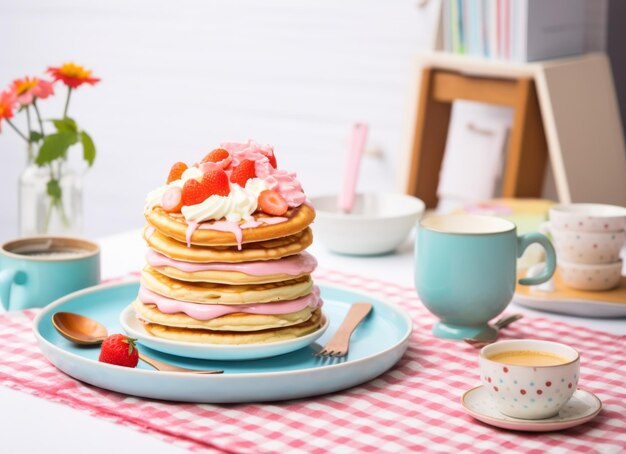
254	272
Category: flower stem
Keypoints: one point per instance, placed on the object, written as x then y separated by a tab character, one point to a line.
28	126
67	101
17	130
39	118
62	214
30	142
46	224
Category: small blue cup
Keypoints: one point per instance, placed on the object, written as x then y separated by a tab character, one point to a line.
466	269
38	270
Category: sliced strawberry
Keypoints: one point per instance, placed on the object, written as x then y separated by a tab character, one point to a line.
271	202
172	200
176	172
219	156
243	172
213	182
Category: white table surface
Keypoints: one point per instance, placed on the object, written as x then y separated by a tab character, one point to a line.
31	424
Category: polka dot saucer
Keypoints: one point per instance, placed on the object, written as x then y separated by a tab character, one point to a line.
582	407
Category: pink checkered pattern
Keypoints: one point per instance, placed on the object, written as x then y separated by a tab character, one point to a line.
413	407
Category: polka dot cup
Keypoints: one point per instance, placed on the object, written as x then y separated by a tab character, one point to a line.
587	247
588	217
582	276
529	392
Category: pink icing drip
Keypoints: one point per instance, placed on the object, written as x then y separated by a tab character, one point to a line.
230	226
226	226
191	227
273	220
212	311
293	265
252	223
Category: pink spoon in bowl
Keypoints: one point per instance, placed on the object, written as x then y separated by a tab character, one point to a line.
345	201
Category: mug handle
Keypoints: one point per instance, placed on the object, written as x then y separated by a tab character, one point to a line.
523	241
7	277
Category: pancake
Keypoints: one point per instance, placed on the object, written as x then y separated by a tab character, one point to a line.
238	321
212	293
225	277
228	276
262	250
237	338
255	272
174	225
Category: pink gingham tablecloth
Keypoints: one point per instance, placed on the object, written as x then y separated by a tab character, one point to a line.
413	407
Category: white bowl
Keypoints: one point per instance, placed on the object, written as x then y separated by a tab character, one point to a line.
582	276
378	224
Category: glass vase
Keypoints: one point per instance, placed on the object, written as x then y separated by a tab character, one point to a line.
43	214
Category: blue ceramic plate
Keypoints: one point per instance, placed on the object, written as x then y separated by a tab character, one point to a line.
134	328
377	344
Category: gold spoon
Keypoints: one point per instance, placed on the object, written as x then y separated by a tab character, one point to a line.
86	331
490	334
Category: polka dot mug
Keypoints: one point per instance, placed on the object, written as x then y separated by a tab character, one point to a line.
529	392
588	217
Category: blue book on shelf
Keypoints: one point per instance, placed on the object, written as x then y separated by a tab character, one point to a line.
462	36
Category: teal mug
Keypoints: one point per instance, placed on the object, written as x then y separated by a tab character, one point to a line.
466	269
36	271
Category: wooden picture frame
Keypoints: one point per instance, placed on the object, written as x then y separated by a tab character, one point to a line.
565	111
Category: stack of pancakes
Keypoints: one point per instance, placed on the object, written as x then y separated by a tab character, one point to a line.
208	286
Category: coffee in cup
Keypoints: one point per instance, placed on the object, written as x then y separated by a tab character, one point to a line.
529	379
35	271
529	358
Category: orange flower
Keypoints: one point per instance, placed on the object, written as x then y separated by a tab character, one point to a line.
7	103
73	75
28	89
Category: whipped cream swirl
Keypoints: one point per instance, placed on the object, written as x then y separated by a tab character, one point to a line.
236	206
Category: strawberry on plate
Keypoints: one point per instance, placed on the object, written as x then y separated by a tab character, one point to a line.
119	350
176	172
243	172
271	202
214	182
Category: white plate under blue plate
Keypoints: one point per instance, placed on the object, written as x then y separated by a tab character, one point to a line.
377	344
134	328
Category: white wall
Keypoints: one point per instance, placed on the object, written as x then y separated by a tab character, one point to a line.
179	76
